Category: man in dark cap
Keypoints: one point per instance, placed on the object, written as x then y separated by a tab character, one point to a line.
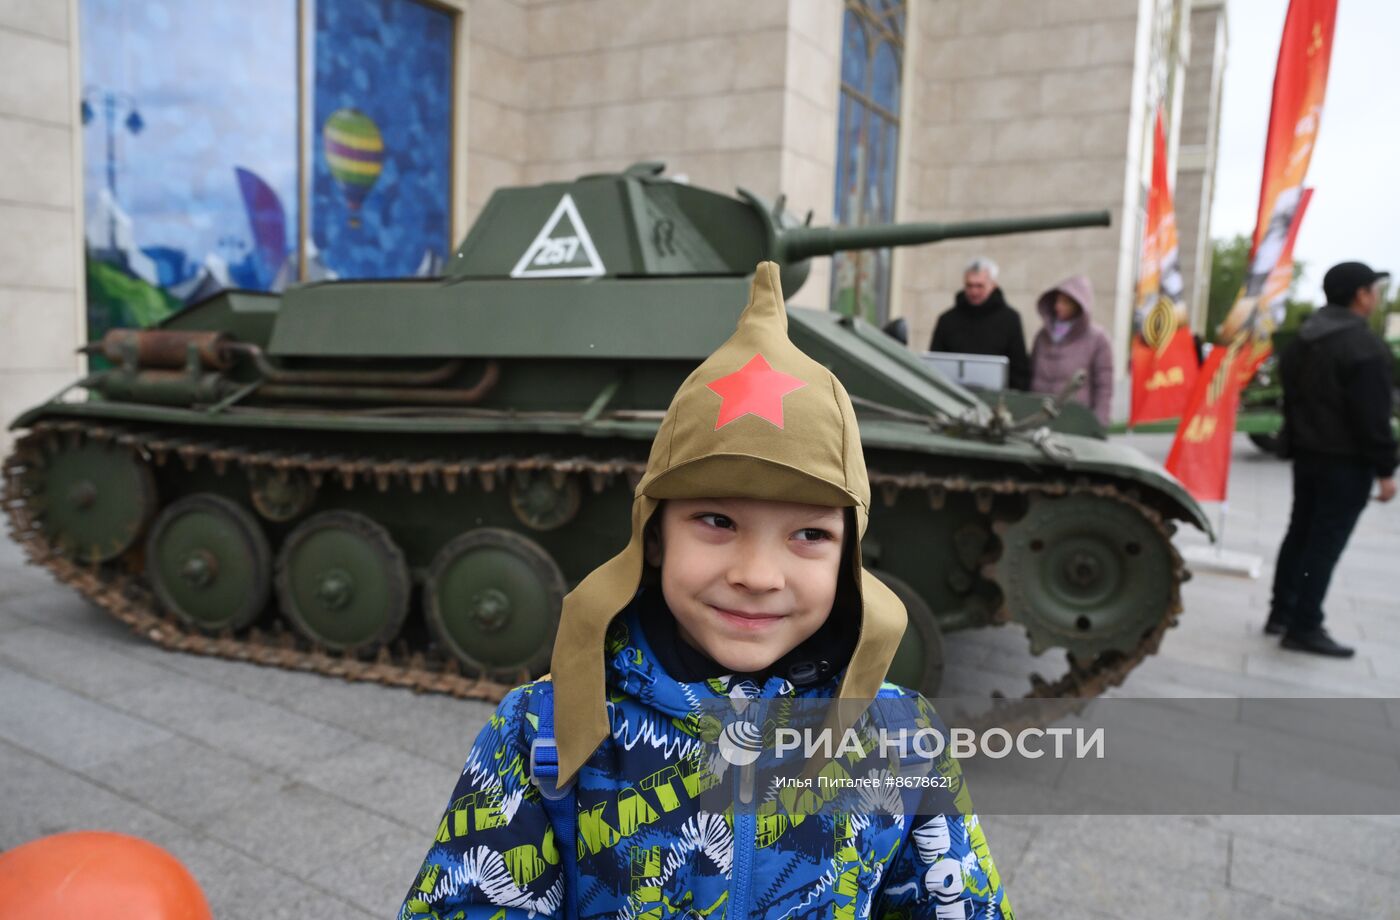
1337	408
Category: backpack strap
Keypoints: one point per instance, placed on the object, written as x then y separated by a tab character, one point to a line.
561	805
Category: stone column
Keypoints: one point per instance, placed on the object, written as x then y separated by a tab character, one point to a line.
41	273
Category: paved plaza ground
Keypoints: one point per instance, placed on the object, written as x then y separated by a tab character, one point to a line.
292	795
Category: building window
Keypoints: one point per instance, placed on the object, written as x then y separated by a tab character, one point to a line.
255	143
867	149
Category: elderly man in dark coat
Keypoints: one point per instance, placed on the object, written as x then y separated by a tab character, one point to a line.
981	322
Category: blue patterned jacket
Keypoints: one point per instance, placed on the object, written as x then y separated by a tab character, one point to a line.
646	851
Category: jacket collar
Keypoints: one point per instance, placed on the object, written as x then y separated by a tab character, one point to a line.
634	669
994	302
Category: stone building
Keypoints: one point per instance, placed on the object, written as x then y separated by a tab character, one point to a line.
989	108
1195	166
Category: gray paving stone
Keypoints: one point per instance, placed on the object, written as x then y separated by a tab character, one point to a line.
1065	877
1353	720
1215	728
239	886
299	829
187	780
1385	657
1222	654
377	874
1008	841
1304	873
270	685
1213	681
38	798
60	609
1305	789
232	722
437	728
62	726
1175	841
1333	677
1352	840
397	785
86	667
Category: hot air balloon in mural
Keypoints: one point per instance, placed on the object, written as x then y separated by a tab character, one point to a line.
355	153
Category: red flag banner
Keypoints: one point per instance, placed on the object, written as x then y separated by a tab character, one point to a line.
1163	354
1300	83
1164	374
1200	454
1274	299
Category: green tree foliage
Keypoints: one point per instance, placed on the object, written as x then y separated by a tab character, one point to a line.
1229	259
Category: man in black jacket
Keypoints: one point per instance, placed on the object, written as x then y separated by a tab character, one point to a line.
1336	408
981	322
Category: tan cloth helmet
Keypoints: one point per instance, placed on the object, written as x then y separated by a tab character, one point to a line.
758	419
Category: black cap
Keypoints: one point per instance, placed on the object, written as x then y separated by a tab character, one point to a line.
1344	279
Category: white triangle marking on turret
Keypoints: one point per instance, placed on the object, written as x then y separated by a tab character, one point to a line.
550	256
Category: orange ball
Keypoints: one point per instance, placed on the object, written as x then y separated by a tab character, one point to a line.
86	874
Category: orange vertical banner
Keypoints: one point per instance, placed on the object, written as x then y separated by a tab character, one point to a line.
1273	299
1200	455
1300	83
1163	352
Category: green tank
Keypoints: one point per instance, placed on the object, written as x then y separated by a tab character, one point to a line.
398	481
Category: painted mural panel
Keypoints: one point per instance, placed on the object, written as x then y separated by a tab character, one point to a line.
381	160
192	179
189	152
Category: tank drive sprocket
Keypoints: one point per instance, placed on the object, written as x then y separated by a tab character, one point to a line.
92	500
1083	572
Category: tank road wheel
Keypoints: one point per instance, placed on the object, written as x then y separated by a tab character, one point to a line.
541	505
209	563
1085	573
918	663
342	582
280	495
93	499
492	599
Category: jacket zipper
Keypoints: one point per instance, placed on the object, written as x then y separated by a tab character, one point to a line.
746	833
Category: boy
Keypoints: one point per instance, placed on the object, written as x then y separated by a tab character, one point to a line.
742	579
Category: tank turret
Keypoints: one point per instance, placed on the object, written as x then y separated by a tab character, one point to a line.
641	222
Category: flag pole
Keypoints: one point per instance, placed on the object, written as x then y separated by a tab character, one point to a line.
1219	559
1220	532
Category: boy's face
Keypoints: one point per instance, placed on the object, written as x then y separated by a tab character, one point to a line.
748	580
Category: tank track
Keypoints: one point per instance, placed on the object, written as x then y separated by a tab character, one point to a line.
123	595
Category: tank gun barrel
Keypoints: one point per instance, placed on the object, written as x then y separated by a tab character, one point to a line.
798	243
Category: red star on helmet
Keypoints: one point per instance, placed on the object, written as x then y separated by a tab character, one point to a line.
754	389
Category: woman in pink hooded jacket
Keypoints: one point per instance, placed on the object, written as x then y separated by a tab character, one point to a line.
1069	342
